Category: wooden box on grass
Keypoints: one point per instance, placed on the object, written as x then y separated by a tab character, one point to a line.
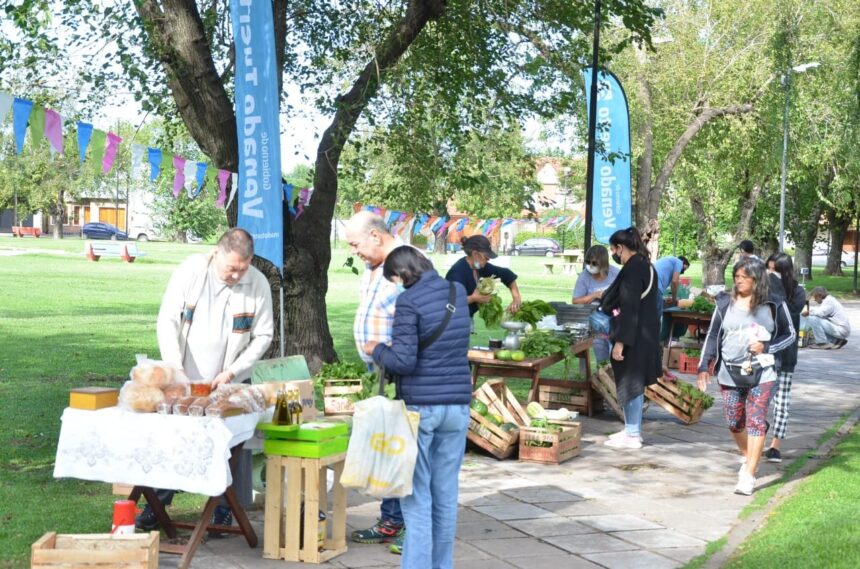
540	445
337	394
490	437
105	551
603	381
92	398
669	396
556	397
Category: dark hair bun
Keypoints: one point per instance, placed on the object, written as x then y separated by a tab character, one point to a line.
463	240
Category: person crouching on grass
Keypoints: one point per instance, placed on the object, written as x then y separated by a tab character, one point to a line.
746	334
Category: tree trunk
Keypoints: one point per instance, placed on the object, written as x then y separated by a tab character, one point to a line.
714	263
838	229
176	32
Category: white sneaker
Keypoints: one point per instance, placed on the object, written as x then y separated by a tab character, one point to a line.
623	433
625	441
746	483
743	467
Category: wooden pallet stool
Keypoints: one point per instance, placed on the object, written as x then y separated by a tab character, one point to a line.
306	482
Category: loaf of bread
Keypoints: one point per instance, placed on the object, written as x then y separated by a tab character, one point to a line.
182	404
223	410
152	374
141	398
198	406
176	391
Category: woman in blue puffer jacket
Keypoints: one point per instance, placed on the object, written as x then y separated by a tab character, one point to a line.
435	381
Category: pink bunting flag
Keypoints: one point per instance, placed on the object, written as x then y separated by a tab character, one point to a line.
54	130
304	194
223	176
179	177
110	152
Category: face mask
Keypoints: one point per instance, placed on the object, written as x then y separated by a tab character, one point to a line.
400	288
592	269
616	258
477	265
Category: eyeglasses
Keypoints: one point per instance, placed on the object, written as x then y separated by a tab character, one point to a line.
592	263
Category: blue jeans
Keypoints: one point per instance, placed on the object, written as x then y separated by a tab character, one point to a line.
431	511
390	510
633	416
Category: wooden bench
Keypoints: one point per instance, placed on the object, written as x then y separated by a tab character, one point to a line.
22	231
128	252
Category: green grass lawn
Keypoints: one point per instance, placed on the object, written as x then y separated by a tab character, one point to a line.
818	525
66	322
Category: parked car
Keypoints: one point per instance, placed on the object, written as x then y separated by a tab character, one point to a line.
538	246
98	230
819	258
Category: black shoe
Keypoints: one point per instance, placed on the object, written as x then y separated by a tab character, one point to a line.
222	517
839	343
773	455
825	346
146	520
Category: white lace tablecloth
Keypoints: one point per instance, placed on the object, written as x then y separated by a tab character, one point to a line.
148	449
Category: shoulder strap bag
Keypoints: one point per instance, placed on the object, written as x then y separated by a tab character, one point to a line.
450	308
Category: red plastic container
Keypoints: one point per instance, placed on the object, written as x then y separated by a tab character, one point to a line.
123	517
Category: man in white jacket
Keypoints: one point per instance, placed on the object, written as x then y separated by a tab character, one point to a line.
828	320
215	322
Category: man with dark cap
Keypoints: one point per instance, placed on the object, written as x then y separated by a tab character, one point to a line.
474	266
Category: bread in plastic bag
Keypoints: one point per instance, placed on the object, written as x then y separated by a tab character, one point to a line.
182	404
140	398
156	373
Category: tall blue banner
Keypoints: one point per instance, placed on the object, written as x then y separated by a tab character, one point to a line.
611	202
259	192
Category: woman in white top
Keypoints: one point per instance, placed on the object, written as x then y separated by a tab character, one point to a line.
590	284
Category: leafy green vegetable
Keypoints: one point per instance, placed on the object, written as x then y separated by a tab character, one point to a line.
488	285
533	311
693	352
694	394
542	343
492	312
702	305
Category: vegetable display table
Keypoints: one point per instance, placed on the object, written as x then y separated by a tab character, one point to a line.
681	316
531	369
147	450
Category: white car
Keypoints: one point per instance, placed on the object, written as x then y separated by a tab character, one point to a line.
819	258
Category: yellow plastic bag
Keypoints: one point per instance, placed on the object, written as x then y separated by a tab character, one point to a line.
383	448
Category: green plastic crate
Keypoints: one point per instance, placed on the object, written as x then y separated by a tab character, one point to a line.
306	449
310	431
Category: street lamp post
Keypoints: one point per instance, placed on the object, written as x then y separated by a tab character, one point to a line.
786	83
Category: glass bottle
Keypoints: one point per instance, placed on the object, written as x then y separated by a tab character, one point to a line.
295	407
282	415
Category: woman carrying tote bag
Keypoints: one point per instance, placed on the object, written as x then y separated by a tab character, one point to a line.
635	332
428	353
746	334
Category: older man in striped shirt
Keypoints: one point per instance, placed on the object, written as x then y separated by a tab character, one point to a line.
369	238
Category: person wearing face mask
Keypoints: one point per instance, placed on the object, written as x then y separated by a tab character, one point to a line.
635	358
590	285
474	266
428	351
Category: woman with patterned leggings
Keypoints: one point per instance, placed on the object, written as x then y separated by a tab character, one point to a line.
781	271
746	335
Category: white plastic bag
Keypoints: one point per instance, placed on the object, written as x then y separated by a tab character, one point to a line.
382	449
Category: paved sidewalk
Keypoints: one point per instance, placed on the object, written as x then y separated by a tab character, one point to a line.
652	508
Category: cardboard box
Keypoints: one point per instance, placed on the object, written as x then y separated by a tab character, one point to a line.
671	356
92	398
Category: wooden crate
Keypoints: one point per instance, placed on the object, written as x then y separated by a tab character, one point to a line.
499	399
306	485
563	445
556	397
668	395
121	489
603	381
491	438
336	396
104	551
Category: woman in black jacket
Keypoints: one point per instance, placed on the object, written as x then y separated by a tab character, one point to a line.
635	333
781	270
429	353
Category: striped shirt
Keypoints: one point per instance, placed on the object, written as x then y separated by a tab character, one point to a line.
375	316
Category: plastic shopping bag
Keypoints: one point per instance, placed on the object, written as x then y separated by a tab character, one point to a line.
382	449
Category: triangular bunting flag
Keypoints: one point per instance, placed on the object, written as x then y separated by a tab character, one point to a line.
21	109
54	130
5	105
223	176
98	149
137	152
113	141
85	134
179	175
155	163
37	126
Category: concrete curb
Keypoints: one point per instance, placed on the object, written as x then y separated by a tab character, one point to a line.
744	528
